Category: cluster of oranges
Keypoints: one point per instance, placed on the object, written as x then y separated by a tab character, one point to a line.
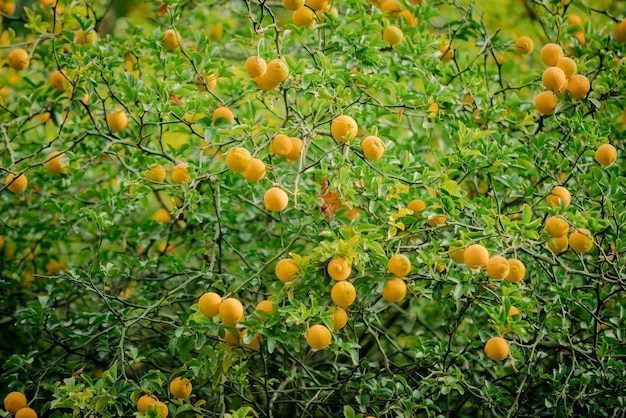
15	404
180	388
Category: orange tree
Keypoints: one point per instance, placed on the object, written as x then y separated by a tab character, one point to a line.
346	208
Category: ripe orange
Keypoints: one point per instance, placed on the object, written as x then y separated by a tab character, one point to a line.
550	54
14	401
16	183
264	83
394	290
171	39
145	401
343	294
161	409
222	112
26	413
231	338
180	173
56	162
417	206
578	86
497	348
568	66
18	59
560	245
256	170
180	387
554	79
58	80
516	272
238	159
339	268
438	219
318	337
393	35
606	154
303	17
524	45
117	120
255	66
497	267
277	71
545	102
296	149
281	145
156	173
620	31
340	317
457	252
286	270
162	216
318	4
275	199
344	128
559	194
373	147
209	304
391	7
581	240
206	81
399	265
513	311
231	311
447	53
265	306
476	256
293	4
556	227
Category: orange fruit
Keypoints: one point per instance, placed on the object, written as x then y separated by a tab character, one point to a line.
391	7
318	337
56	162
231	338
58	80
255	66
286	270
26	413
447	53
556	227
265	306
559	194
340	317
399	265
256	170
264	83
277	71
209	304
438	219
16	183
568	66
497	348
180	173
516	272
373	147
303	17
293	4
457	252
497	267
417	206
476	256
162	216
318	4
606	154
171	39
554	79
394	290
180	387
275	199
560	245
145	401
231	311
161	409
550	54
581	240
343	294
222	112
574	19
524	45
393	35
238	159
578	86
117	120
296	149
18	59
81	39
14	401
156	173
205	81
344	128
281	145
339	268
545	102
620	31
513	311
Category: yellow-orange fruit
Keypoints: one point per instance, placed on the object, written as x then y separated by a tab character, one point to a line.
393	35
222	112
410	18
171	39
293	4
162	216
14	401
26	413
447	53
161	409
18	59
145	401
476	256
16	183
497	348
545	102
581	240
457	253
550	54
209	304
568	66
277	71
373	147
339	268
559	194
344	128
117	120
438	219
343	294
256	170
156	173
56	162
524	45
180	387
58	80
554	79
296	149
606	154
497	267
275	199
578	86
417	206
513	311
620	31
286	270
303	17
394	290
560	245
340	317
556	227
265	306
180	173
264	83
231	311
255	66
281	145
391	7
318	337
399	265
517	271
206	81
238	159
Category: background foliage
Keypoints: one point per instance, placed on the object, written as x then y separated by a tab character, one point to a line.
99	300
